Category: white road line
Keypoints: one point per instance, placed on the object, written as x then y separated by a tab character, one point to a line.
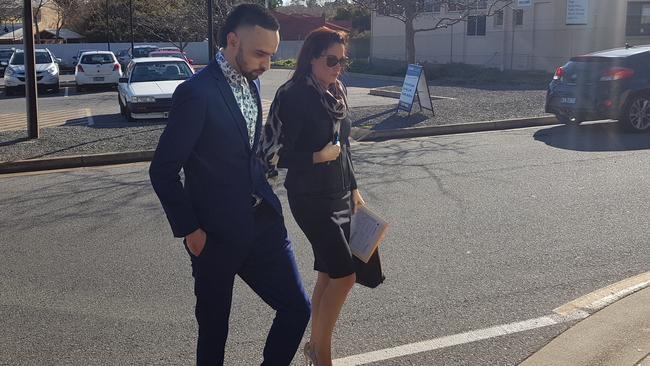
605	296
91	120
457	339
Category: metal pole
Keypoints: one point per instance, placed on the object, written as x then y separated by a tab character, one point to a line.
512	47
211	49
108	38
451	47
266	3
31	94
131	15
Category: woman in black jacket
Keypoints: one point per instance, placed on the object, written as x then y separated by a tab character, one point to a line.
307	132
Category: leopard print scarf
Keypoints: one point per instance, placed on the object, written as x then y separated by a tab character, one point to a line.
268	151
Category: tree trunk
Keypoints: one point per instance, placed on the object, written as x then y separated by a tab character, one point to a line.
410	14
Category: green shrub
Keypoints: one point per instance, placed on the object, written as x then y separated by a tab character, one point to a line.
288	63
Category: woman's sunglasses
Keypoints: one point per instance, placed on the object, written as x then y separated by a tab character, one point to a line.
331	61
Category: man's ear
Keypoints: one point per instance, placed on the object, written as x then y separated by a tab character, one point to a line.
232	40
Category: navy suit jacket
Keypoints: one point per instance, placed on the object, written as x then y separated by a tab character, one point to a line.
206	136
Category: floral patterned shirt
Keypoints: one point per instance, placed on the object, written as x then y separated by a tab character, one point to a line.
244	94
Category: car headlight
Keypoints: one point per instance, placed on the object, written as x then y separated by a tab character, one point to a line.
143	99
52	70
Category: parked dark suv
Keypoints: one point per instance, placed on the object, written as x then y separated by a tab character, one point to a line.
612	84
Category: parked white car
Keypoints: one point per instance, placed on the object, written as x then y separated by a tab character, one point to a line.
47	72
146	89
97	68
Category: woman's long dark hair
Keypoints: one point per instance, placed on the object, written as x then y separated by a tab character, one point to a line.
317	42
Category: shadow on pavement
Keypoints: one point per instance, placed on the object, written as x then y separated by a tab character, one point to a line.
601	136
114	120
388	119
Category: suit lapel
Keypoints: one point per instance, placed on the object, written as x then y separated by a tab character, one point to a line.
229	97
260	114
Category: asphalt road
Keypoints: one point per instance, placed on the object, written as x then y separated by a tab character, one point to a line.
486	229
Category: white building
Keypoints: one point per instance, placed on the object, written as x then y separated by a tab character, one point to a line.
529	35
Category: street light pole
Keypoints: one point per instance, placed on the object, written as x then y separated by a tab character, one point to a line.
131	15
211	49
30	70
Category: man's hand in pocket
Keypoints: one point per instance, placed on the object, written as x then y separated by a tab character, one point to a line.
196	242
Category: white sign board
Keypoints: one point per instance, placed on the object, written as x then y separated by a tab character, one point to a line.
524	3
409	88
577	12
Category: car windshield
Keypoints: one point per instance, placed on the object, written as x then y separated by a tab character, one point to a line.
166	54
160	71
41	58
5	54
97	59
143	52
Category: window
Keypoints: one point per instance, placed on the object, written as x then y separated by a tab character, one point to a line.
518	16
462	5
456	5
429	6
638	19
498	18
476	25
97	59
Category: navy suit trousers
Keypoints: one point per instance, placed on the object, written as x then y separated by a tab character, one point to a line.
269	268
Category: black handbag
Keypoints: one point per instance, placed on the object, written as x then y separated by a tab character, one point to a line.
369	274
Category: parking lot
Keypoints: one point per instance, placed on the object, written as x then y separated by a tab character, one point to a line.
100	105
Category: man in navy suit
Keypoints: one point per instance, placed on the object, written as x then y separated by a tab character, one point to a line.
225	210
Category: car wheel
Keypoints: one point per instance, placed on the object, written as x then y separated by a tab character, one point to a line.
567	120
636	115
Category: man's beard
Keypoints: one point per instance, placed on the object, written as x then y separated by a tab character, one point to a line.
249	75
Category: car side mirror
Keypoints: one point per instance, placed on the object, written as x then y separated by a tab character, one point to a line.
57	60
123	80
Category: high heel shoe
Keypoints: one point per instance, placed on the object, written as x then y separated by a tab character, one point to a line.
310	355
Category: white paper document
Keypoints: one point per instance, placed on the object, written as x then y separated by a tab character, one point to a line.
367	230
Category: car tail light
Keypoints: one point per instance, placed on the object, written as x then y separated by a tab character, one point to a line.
559	73
617	73
80	68
116	67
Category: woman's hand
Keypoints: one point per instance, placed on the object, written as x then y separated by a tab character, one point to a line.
357	201
328	153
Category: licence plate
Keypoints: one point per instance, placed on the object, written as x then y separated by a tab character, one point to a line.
98	79
566	100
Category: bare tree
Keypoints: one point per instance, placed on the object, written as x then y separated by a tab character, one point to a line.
408	11
178	22
65	10
10	10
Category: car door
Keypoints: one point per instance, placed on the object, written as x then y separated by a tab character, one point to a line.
123	88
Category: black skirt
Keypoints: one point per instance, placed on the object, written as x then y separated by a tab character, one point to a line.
325	221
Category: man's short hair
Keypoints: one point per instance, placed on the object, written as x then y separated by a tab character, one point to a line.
247	15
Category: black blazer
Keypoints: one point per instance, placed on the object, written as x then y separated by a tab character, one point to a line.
206	136
307	128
